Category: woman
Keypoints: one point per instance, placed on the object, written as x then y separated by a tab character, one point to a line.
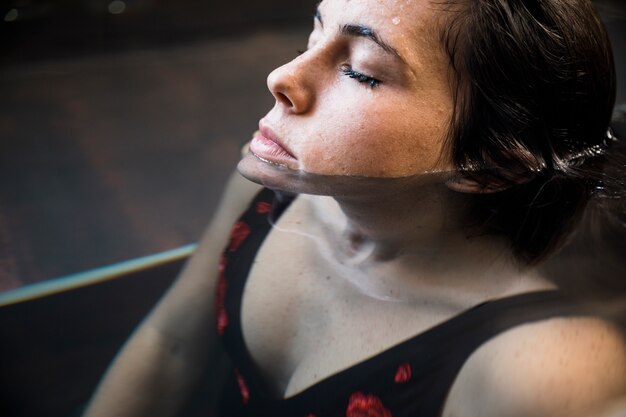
439	152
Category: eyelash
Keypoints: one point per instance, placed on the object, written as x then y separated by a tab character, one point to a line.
360	77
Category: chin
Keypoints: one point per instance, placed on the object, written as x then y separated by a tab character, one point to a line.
293	181
274	176
282	178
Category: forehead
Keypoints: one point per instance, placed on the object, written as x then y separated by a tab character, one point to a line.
410	26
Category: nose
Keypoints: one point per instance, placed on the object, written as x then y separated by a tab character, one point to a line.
292	87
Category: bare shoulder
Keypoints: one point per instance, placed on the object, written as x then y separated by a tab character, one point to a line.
557	367
189	297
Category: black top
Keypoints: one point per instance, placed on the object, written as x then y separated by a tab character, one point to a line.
411	378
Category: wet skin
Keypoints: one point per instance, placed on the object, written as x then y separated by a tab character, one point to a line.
361	117
351	107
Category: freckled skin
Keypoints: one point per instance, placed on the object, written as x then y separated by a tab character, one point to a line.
403	227
335	125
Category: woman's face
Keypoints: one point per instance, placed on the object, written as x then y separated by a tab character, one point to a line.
369	97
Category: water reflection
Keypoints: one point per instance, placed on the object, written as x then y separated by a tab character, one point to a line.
589	261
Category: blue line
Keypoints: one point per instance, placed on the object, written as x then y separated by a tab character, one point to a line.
93	276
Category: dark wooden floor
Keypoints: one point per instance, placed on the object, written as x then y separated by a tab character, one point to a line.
105	156
119	155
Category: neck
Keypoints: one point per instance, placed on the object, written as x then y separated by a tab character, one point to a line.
420	219
421	232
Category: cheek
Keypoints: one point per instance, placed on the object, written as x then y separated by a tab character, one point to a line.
352	143
374	140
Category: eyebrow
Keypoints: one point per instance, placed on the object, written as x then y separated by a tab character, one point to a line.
363	32
369	33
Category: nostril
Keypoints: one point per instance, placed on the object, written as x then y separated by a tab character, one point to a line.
283	99
289	87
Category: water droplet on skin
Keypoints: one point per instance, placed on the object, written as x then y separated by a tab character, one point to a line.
395	20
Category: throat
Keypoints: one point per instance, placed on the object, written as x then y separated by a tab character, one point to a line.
361	248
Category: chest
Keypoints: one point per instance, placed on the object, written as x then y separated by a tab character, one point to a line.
304	317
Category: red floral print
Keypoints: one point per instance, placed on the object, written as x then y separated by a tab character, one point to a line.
263	207
403	374
220	310
243	387
221	266
222	322
361	405
239	233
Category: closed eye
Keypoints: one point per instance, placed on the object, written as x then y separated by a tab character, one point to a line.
360	77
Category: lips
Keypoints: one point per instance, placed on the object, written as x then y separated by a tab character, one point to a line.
269	148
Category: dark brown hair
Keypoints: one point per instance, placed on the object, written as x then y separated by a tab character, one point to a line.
534	86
